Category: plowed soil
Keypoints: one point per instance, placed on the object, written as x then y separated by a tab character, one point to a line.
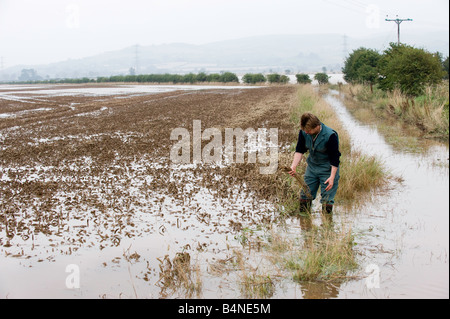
93	171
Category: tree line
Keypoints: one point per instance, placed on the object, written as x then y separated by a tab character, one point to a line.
401	66
225	77
30	76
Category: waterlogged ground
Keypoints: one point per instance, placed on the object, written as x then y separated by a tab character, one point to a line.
403	232
88	188
92	206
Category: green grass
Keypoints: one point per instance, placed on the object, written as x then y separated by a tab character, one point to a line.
427	114
328	256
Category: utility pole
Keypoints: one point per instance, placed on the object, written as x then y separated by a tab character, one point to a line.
345	47
398	21
2	66
136	57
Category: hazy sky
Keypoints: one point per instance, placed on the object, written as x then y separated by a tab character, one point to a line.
34	32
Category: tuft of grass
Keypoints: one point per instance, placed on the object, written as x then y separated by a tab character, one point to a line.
257	286
178	275
360	175
328	256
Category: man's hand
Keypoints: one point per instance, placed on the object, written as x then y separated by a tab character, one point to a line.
330	182
295	162
293	170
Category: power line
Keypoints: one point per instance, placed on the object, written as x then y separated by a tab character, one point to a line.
357	10
136	58
398	21
345	46
364	6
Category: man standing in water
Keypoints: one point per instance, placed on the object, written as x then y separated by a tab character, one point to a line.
322	143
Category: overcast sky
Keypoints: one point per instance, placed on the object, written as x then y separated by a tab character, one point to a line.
44	31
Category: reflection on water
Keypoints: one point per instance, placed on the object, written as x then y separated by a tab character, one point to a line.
320	290
406	229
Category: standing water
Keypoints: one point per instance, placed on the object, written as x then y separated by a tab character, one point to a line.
403	233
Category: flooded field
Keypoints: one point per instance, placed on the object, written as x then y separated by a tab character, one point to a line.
86	180
92	206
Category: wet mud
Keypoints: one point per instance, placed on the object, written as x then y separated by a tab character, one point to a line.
86	178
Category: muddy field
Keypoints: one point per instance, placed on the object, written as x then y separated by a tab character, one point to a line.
86	179
91	205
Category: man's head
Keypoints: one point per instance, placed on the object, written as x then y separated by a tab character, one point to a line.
310	124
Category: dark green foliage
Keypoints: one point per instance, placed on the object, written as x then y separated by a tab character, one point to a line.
409	69
362	66
273	78
322	78
284	79
303	78
228	77
30	76
250	78
277	78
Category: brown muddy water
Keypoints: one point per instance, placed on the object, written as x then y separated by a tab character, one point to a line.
104	230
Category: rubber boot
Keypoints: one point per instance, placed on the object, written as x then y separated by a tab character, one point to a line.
305	206
327	215
327	209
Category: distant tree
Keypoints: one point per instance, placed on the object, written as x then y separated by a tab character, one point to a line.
190	78
202	77
273	78
362	67
322	78
228	77
409	69
284	79
213	77
303	78
250	78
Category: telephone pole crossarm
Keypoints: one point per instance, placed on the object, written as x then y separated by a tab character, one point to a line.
398	21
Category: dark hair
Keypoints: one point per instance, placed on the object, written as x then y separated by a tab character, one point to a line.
309	121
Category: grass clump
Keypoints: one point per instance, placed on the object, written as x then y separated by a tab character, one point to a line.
427	114
328	256
257	286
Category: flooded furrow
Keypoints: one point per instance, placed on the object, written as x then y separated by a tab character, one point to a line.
403	233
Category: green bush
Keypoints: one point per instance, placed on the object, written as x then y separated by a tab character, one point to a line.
362	66
303	78
250	78
228	77
284	79
322	78
409	69
273	78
